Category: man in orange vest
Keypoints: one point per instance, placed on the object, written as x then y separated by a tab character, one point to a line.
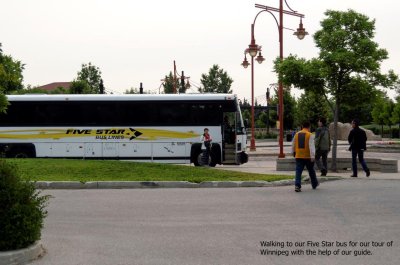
303	149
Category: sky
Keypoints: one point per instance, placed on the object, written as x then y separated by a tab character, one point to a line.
134	41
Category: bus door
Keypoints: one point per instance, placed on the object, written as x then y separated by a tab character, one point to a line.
240	135
229	138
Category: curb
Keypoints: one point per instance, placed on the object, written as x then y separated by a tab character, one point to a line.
164	184
22	256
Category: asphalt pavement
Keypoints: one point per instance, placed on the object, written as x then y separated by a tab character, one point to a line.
348	221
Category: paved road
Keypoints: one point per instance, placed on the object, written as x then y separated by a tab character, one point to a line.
223	226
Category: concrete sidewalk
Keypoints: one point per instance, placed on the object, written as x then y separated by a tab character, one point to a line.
267	165
263	161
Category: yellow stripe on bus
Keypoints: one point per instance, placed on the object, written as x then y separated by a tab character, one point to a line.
128	133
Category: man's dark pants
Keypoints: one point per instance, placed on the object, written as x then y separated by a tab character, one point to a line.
300	164
360	154
324	165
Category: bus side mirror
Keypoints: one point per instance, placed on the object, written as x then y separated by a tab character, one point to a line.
246	123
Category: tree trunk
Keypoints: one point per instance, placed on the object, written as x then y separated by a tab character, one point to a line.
335	132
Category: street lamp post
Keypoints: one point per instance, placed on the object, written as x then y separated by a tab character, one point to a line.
300	33
252	51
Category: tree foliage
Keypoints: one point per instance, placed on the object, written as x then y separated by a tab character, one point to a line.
10	77
132	91
382	111
347	68
216	81
289	109
395	117
310	107
169	82
90	74
80	87
10	74
135	90
36	90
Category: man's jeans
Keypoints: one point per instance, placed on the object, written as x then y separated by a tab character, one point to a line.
300	164
360	154
324	165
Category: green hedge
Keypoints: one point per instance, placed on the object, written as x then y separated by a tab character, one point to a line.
22	210
387	132
265	135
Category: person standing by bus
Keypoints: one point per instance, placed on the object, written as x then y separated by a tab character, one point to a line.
358	144
206	139
303	149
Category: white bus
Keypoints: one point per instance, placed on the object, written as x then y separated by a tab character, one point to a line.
139	127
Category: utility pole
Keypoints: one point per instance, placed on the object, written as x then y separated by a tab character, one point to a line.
183	82
101	87
174	84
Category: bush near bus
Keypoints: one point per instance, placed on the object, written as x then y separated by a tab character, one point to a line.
22	210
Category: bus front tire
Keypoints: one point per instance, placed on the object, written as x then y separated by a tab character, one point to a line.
21	155
21	151
199	160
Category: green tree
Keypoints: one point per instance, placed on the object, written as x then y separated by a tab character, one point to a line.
362	111
216	81
135	90
132	91
288	110
311	107
348	65
387	113
382	112
245	103
10	77
35	90
10	73
80	87
169	82
91	74
395	117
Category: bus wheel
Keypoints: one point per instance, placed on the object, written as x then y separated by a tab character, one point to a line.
20	155
197	160
21	151
200	161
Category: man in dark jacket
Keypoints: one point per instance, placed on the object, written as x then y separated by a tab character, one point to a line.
358	144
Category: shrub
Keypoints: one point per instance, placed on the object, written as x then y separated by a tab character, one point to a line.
376	130
395	133
265	135
22	210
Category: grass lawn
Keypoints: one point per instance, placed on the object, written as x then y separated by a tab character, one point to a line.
114	170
